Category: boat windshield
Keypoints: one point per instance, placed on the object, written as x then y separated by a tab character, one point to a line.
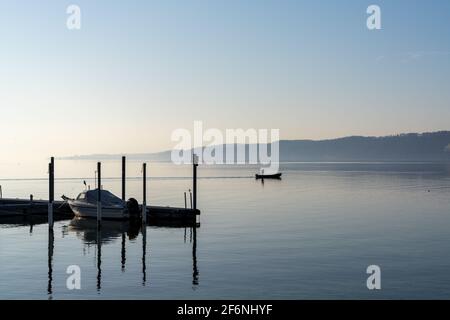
81	196
108	198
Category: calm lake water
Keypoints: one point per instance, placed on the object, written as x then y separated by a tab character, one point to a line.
311	235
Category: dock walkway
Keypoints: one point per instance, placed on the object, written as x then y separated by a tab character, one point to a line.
22	207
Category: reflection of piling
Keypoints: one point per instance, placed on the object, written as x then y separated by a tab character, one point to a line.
51	243
194	177
51	190
144	252
123	177
99	260
144	191
194	258
123	255
99	194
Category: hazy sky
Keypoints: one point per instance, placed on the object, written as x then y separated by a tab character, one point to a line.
137	70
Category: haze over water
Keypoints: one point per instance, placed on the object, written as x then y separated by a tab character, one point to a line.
310	235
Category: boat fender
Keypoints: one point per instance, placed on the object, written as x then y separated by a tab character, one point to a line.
133	208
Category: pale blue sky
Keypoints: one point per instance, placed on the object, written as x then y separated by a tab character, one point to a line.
137	70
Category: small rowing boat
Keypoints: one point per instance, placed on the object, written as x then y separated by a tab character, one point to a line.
268	176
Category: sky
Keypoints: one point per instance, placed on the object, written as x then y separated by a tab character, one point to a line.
138	70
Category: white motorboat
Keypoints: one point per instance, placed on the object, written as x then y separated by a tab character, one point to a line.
85	205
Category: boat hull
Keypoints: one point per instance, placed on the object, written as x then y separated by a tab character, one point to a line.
86	210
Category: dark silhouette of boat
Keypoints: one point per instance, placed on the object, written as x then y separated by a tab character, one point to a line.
268	176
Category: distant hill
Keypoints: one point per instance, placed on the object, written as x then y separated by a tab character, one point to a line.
434	146
403	147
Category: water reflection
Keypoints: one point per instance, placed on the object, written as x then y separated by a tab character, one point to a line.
87	231
51	246
90	234
144	252
99	257
21	220
194	258
122	253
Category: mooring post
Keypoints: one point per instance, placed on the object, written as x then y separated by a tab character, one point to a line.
144	191
1	193
123	177
185	201
194	176
99	194
51	189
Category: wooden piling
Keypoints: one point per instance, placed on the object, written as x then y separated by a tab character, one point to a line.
51	187
144	191
99	194
185	201
123	177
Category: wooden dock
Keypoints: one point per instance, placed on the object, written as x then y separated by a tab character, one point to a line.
26	207
18	207
10	207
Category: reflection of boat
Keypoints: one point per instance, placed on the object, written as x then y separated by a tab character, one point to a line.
268	176
87	230
85	205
